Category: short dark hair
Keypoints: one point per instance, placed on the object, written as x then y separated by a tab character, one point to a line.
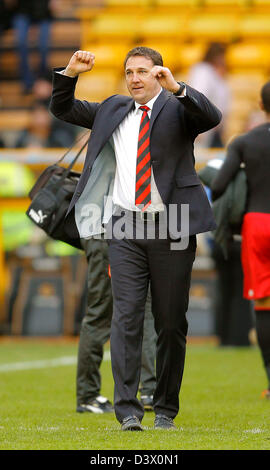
214	50
265	95
155	56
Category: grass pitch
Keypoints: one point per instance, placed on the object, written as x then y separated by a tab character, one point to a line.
220	404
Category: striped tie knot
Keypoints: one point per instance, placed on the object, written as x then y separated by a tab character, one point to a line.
143	167
144	108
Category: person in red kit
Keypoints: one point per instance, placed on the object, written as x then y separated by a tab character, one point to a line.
252	149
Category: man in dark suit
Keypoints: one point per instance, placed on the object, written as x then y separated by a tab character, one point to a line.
140	158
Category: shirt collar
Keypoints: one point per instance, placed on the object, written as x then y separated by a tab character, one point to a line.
150	103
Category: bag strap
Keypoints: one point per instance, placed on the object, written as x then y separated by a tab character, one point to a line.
68	169
73	145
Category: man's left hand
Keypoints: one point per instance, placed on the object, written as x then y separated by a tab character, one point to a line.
165	78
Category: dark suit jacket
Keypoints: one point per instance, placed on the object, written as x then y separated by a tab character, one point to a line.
174	125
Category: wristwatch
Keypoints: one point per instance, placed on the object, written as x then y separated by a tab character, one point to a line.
181	89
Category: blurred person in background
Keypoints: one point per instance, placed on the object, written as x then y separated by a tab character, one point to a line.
209	77
42	88
65	132
28	13
44	131
252	149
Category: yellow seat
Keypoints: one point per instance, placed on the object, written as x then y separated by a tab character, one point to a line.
261	3
246	84
213	26
242	107
112	26
109	55
189	54
97	85
167	49
163	26
248	55
14	119
123	4
226	3
255	26
177	3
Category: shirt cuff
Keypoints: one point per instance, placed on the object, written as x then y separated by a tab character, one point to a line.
62	73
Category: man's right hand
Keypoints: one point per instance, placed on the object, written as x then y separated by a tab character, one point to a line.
81	61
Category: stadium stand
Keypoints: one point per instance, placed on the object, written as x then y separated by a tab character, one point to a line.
180	29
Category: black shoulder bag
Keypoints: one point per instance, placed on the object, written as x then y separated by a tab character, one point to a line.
51	196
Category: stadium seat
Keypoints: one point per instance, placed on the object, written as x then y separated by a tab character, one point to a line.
255	26
14	120
249	55
121	5
97	85
226	3
108	55
189	54
65	33
11	95
177	3
242	107
213	26
111	27
261	3
164	26
246	84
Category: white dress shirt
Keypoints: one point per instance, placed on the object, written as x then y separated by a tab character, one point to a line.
125	140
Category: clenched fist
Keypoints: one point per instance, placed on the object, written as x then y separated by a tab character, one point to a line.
165	78
80	62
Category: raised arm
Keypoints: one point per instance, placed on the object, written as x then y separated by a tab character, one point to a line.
63	103
201	114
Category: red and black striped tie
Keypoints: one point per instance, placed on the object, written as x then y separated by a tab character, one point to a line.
143	167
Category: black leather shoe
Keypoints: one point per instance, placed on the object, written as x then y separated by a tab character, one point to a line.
131	423
164	422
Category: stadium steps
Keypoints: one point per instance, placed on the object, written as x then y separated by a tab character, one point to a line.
65	39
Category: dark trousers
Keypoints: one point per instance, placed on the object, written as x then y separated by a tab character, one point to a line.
133	263
233	313
96	327
22	25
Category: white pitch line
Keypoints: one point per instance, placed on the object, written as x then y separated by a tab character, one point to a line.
44	363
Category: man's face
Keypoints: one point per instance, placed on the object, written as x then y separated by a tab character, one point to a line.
140	82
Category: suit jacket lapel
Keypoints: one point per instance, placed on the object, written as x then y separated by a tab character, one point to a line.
158	105
117	117
111	120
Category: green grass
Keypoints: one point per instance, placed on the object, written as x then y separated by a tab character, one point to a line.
220	404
